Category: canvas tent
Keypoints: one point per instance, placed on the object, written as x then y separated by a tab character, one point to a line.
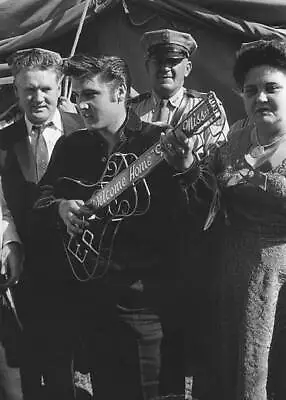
115	27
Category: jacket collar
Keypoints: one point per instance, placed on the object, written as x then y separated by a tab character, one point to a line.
132	123
130	126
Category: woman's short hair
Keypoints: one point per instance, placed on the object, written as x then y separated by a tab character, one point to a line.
270	52
112	69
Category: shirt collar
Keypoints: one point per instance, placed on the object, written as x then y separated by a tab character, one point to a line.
175	100
57	121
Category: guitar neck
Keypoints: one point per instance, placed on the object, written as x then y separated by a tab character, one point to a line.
205	113
137	170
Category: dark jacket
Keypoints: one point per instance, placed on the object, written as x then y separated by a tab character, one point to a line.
17	170
20	189
146	248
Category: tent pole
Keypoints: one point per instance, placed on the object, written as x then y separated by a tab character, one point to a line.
67	88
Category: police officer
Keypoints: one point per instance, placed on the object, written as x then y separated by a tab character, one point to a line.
168	63
167	60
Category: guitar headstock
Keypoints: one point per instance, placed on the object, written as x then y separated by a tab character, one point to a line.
203	115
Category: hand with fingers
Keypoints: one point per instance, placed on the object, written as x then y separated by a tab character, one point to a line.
177	149
72	212
12	263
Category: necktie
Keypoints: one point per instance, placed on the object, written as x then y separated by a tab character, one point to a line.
163	111
40	150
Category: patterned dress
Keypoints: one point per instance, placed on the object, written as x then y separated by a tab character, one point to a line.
251	272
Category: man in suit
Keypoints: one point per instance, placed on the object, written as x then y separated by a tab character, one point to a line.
11	267
26	148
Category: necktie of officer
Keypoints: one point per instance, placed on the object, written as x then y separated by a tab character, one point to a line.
163	115
40	149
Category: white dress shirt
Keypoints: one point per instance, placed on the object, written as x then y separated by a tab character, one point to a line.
51	133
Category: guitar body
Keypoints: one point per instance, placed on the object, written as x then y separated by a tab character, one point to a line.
90	254
121	193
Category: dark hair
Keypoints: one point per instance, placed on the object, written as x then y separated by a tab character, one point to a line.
36	58
270	52
111	69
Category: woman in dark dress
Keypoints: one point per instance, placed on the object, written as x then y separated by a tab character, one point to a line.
248	176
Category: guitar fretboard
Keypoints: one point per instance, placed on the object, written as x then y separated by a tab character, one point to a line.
205	113
138	169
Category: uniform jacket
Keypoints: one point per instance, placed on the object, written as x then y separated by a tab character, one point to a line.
146	106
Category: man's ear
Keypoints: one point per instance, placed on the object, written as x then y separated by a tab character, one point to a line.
121	93
188	68
60	86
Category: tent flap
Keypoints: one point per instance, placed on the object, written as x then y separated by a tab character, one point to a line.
115	27
194	14
33	21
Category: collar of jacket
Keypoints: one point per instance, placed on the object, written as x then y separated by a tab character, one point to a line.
130	127
132	122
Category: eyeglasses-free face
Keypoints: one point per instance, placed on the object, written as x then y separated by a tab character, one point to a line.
264	96
38	92
100	105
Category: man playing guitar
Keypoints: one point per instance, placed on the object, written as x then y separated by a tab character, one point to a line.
122	215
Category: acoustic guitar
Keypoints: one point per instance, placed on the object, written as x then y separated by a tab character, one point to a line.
122	192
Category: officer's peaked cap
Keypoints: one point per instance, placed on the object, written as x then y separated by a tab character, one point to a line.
168	43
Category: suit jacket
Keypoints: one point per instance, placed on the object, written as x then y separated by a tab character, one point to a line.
18	171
